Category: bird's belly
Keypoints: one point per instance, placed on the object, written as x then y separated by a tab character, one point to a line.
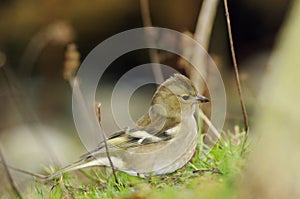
164	157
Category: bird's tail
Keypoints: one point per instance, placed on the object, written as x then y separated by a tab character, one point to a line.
83	163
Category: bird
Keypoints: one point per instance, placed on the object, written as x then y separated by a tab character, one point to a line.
163	140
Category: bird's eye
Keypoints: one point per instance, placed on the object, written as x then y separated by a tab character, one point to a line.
185	97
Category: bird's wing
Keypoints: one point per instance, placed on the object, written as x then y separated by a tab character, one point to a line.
128	138
156	121
140	136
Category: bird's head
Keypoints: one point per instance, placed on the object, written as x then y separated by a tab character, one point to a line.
178	95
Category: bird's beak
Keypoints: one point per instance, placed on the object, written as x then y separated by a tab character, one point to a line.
201	99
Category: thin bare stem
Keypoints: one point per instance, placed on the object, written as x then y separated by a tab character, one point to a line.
38	176
236	70
71	65
9	176
105	144
209	124
77	92
154	58
213	170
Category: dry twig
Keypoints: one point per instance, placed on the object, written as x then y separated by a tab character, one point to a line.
209	124
236	70
38	176
105	143
71	66
9	176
